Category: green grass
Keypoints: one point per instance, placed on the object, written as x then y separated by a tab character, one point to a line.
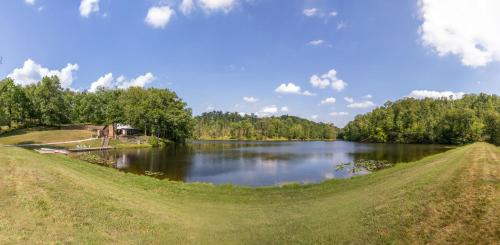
452	197
43	135
50	135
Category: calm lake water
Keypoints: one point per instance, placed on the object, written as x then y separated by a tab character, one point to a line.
261	163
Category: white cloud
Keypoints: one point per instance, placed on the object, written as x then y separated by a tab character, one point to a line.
159	17
269	109
186	6
333	14
106	81
31	72
341	25
328	79
316	42
328	101
361	105
310	12
250	99
420	94
339	85
349	99
139	81
30	2
340	113
307	93
289	88
318	82
468	29
88	6
218	5
368	96
314	117
284	109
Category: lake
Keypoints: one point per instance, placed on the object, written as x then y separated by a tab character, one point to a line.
252	163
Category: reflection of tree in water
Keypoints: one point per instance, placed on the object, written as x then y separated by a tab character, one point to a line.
396	152
265	162
173	161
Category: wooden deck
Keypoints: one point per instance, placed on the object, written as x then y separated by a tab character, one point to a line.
90	149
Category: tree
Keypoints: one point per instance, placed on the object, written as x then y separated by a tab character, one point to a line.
472	118
49	101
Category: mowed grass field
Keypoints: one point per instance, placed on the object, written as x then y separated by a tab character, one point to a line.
42	136
448	198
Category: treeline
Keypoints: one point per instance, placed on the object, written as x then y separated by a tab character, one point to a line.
470	119
220	125
158	112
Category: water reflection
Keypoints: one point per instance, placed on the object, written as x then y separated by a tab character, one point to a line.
261	163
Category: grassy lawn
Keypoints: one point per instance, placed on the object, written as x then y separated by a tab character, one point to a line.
40	136
452	197
47	135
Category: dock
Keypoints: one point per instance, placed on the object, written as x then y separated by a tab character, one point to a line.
90	149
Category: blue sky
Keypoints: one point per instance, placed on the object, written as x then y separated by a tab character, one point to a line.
216	52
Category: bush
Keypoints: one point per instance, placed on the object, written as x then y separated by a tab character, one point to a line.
156	142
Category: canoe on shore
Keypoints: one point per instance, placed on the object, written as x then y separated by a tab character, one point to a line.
51	151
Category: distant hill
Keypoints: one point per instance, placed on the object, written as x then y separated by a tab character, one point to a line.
231	125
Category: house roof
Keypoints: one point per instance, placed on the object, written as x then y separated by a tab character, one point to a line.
123	126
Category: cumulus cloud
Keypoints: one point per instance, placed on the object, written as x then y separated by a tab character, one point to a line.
88	6
421	94
341	25
465	28
340	113
328	101
284	109
269	109
250	99
186	6
30	2
368	96
361	105
314	117
339	85
31	72
349	99
140	81
108	81
328	79
310	12
105	81
333	13
289	88
218	5
307	93
316	42
318	82
159	17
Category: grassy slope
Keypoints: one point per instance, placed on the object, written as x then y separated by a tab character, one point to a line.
453	197
40	136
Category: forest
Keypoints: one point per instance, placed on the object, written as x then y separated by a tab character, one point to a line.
469	119
158	112
220	125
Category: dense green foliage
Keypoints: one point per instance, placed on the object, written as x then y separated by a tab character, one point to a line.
219	125
158	112
470	119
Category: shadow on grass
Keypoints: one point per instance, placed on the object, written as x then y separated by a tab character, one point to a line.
16	132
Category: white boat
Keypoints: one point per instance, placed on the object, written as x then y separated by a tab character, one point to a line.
51	151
